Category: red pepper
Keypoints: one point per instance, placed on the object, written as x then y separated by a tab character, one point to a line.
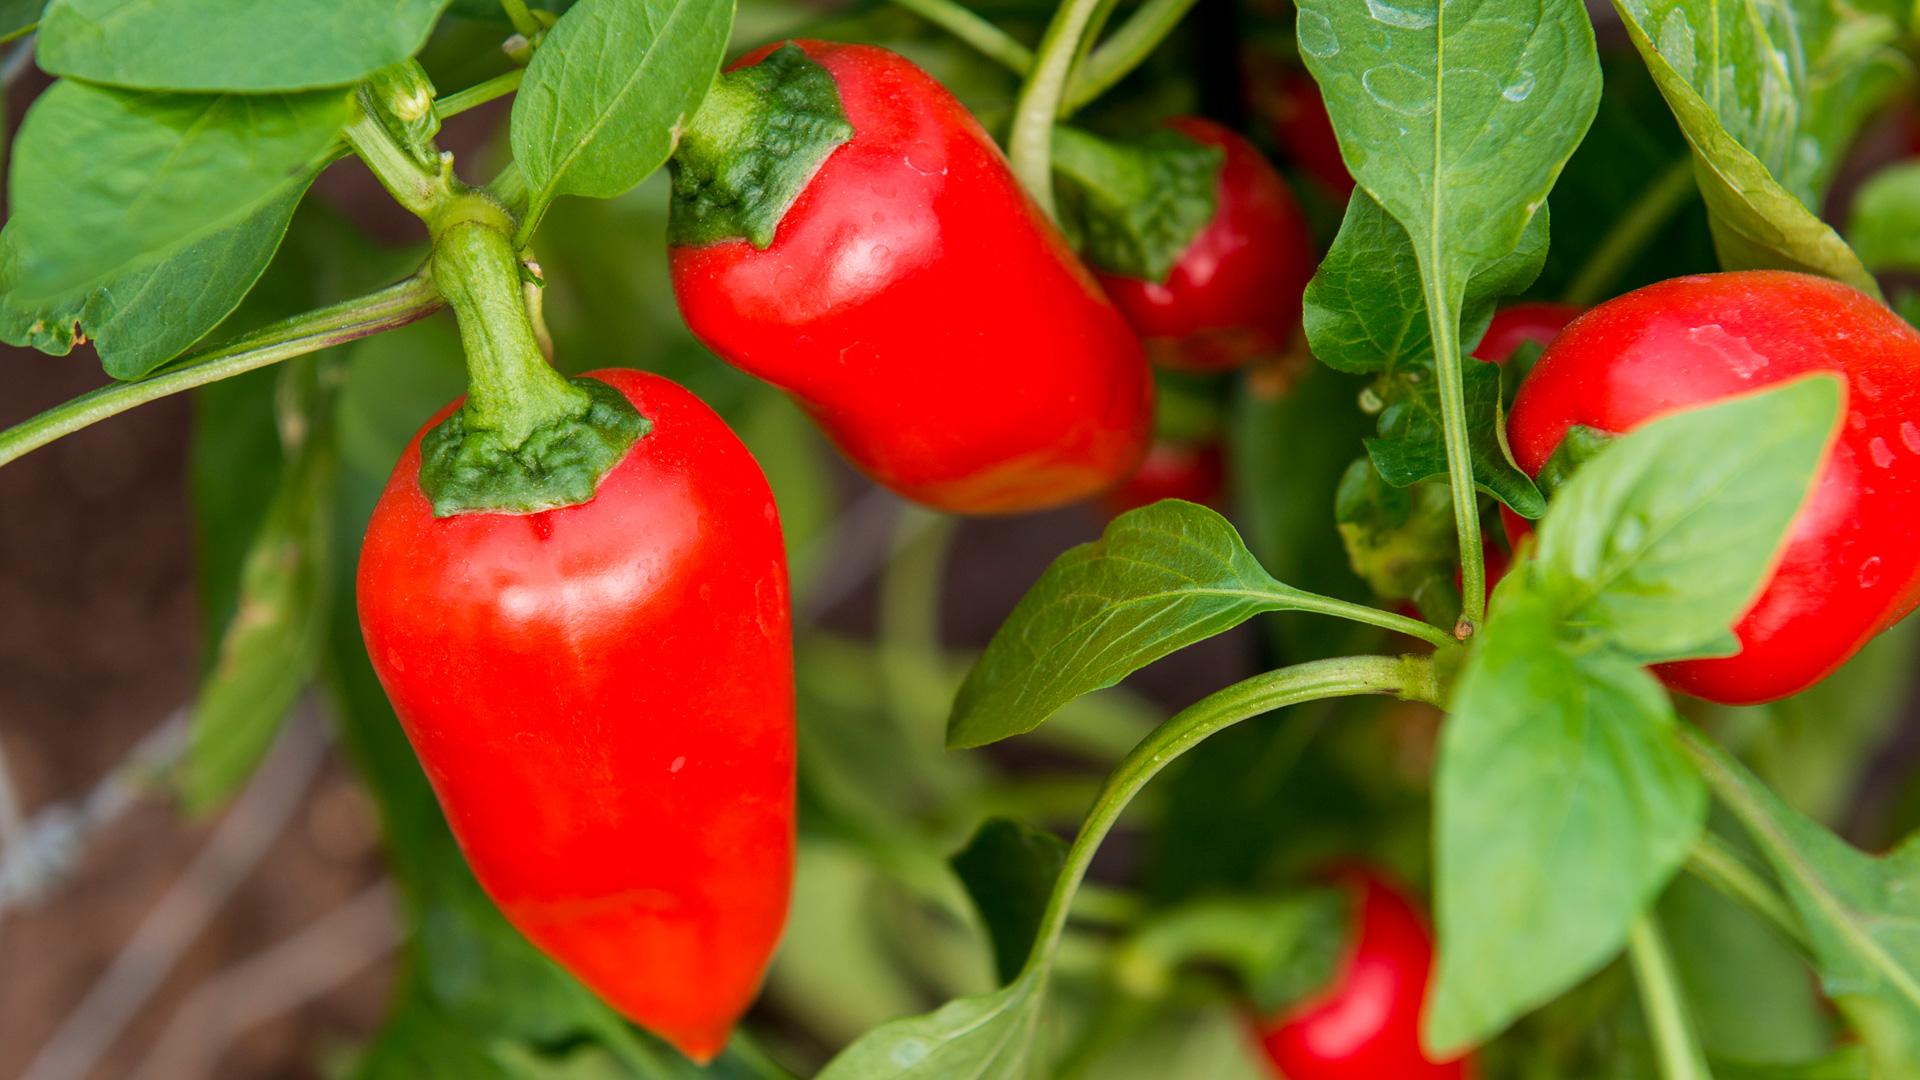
1851	565
1366	1025
1235	292
1195	472
923	310
602	697
1521	324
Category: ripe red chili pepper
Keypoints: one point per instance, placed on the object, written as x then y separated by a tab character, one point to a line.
1851	565
602	697
1195	472
1235	292
1366	1025
1521	324
922	309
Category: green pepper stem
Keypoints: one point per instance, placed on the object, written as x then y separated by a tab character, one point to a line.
1031	145
511	389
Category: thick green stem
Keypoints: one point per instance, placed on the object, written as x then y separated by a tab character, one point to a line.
1031	145
1409	677
388	309
989	40
1443	321
1127	49
421	190
511	389
521	17
1631	233
1680	1055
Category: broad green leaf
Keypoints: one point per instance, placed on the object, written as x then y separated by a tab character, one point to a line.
1455	119
1159	579
1662	541
230	45
275	636
987	1037
1861	912
1885	222
1789	81
18	16
610	90
1009	870
1769	97
1177	1041
1562	807
106	180
1365	314
146	314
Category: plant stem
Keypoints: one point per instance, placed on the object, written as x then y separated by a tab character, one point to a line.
1127	49
1408	677
1369	615
1713	862
1031	145
1680	1054
1443	321
388	309
1631	233
479	93
986	38
521	17
421	191
511	388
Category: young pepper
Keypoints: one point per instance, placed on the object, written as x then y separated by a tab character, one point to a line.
1851	565
844	229
1234	293
1366	1025
574	593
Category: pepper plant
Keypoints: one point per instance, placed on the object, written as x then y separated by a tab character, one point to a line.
1571	442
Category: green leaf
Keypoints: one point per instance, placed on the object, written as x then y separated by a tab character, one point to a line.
609	92
230	45
1562	806
146	314
1885	222
1769	98
1663	539
1159	579
1400	541
985	1037
1134	206
1365	313
105	180
1861	913
1009	870
1846	1063
274	638
18	16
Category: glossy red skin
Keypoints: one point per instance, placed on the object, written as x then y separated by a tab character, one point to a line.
1235	293
1851	566
1172	470
921	308
1520	324
1366	1025
602	697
